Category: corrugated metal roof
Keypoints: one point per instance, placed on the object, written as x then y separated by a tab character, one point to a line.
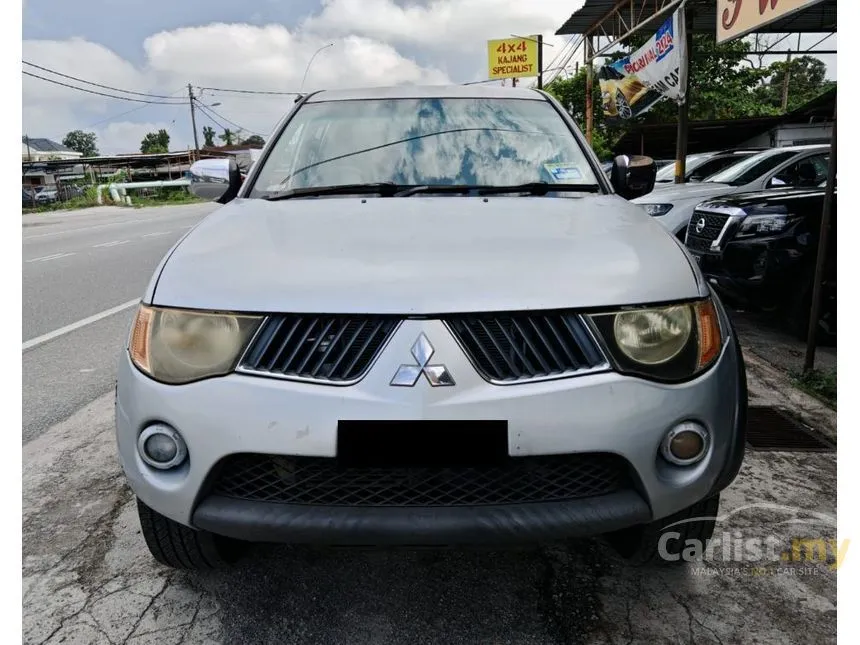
819	18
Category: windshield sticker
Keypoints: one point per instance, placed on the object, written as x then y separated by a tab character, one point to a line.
563	172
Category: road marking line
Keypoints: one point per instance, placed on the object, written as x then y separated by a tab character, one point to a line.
46	258
83	229
156	234
44	338
114	243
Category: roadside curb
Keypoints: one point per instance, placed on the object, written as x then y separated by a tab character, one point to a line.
769	385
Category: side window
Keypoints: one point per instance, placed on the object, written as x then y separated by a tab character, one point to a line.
807	172
712	166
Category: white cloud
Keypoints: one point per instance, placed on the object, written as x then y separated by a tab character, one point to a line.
376	42
442	25
126	136
216	56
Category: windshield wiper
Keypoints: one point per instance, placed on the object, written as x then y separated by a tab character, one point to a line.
438	188
384	188
539	188
533	188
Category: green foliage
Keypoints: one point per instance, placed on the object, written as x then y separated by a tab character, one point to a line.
155	142
227	137
819	383
209	136
254	139
806	80
570	92
722	85
83	142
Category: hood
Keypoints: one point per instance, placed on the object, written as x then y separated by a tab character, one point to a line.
673	193
424	255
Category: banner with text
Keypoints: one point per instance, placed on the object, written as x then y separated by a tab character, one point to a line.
632	85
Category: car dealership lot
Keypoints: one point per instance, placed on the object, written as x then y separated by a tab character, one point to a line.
88	577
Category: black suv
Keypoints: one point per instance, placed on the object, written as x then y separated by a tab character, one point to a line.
760	249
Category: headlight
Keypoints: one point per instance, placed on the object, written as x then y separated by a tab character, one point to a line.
656	210
671	343
177	346
762	225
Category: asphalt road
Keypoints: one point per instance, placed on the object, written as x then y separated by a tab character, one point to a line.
77	266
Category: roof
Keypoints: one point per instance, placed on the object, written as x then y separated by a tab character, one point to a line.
819	18
46	145
134	160
427	91
705	136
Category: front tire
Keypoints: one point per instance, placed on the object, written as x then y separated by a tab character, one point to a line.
640	545
180	547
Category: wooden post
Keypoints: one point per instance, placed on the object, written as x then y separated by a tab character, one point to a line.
823	235
589	83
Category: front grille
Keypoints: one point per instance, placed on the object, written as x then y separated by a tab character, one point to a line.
320	481
701	240
337	349
516	347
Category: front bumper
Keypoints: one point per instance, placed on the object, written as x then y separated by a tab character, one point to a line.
594	413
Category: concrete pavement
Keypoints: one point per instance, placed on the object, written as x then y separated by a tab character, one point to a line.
75	266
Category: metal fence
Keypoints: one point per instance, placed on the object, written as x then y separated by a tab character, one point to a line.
48	194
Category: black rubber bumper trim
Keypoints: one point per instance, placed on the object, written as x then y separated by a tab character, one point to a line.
342	525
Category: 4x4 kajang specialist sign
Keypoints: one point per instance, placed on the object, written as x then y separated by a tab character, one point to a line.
631	85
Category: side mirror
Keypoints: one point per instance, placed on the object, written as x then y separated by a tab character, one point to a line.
775	182
633	176
216	180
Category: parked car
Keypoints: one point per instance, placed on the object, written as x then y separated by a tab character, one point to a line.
798	166
393	334
701	165
760	249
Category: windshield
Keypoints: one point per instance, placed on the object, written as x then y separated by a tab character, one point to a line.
750	168
487	142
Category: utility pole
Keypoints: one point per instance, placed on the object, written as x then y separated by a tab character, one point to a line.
540	61
27	142
193	119
785	81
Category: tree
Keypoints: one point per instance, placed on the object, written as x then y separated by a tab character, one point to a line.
209	136
227	137
806	80
254	140
722	85
155	142
83	142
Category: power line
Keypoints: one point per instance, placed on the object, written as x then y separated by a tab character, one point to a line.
107	87
112	96
203	107
221	89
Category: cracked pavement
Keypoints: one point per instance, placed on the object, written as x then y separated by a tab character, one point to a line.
88	577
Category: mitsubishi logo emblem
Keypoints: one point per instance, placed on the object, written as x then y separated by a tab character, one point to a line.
408	375
700	225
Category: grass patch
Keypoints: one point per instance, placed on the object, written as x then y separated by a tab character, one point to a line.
164	197
819	383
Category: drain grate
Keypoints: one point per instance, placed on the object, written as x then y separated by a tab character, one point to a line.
771	429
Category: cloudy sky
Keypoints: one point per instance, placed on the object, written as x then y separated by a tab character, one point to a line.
159	46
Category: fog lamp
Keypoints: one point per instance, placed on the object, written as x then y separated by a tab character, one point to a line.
161	446
685	444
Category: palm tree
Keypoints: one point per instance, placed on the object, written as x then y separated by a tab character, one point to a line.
209	136
227	137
